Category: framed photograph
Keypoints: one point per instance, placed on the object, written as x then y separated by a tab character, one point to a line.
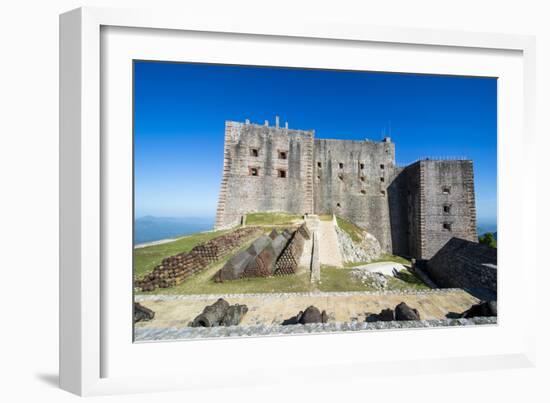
247	195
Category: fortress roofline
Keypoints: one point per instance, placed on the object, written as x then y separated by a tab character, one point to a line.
266	124
384	140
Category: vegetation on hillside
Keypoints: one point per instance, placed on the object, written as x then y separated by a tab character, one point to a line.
337	279
355	233
278	218
488	239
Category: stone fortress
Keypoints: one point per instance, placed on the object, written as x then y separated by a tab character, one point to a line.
413	211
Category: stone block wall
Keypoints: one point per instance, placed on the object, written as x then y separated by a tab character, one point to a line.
266	168
351	180
464	264
447	204
412	211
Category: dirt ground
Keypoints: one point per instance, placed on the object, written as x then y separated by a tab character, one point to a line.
274	308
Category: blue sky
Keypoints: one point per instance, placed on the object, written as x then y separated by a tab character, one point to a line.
180	110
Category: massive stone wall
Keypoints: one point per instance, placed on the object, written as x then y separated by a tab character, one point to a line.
464	264
412	211
447	204
266	168
351	180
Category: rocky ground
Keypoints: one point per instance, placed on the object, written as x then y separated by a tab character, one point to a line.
272	309
368	250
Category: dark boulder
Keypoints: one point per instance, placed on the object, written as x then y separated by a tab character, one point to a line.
386	315
234	315
212	315
142	313
484	308
310	315
405	312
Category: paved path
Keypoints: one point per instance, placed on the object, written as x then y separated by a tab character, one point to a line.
382	267
329	249
268	309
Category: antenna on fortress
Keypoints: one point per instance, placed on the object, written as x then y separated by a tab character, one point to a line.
277	121
286	125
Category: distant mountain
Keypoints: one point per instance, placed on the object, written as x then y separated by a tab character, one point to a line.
150	228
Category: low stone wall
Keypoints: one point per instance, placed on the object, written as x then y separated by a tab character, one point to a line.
464	264
175	269
151	334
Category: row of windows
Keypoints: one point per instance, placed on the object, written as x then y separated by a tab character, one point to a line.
282	155
341	165
255	171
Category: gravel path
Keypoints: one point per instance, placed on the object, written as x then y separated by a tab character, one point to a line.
329	249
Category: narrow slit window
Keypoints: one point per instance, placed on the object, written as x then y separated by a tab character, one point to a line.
252	171
282	155
447	209
338	205
447	226
361	166
281	173
363	191
319	165
254	152
446	190
381	179
381	166
341	165
362	178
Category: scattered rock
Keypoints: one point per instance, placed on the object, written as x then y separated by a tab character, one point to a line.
484	308
374	279
142	313
401	312
310	315
405	312
366	251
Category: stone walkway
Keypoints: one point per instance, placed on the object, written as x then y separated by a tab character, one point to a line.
271	309
329	249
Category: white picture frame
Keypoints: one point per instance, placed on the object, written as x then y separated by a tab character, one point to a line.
90	311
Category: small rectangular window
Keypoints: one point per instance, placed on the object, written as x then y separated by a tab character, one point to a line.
281	173
381	179
341	165
319	165
254	152
363	191
447	209
361	166
362	178
383	192
341	177
381	166
446	190
252	171
447	226
282	155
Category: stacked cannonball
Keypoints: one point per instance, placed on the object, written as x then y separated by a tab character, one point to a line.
175	269
290	258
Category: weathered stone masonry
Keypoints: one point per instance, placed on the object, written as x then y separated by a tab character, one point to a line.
412	211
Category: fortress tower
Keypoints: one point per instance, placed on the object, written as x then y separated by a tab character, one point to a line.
412	211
